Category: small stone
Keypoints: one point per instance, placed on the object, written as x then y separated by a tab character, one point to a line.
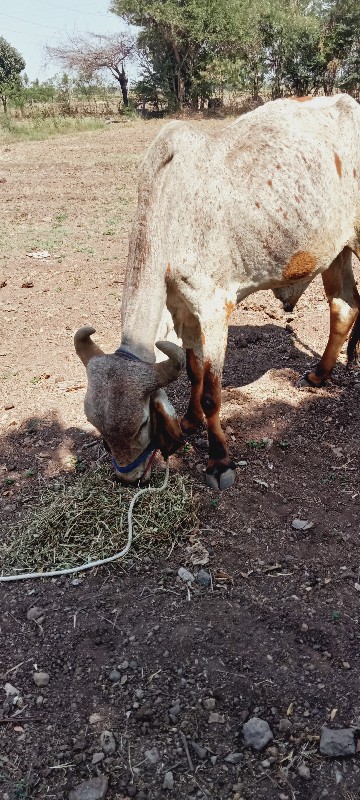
203	578
215	718
200	751
304	772
257	733
266	764
97	757
152	755
168	781
185	575
94	789
209	703
41	679
107	743
337	743
36	614
124	664
346	665
283	796
304	627
39	700
234	758
10	690
114	676
285	725
213	760
94	718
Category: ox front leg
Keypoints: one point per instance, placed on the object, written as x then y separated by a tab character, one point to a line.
194	416
220	471
344	304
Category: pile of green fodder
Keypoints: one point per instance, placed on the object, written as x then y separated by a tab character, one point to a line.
84	519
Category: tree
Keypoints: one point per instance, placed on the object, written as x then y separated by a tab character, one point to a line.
179	38
341	43
95	53
11	65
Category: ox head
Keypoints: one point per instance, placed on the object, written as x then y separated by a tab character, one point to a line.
126	402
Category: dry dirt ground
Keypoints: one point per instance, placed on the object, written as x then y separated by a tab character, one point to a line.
279	637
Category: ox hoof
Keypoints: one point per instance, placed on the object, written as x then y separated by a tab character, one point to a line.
220	481
305	382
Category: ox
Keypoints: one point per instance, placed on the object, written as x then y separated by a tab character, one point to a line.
268	203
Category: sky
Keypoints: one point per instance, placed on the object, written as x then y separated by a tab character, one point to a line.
29	25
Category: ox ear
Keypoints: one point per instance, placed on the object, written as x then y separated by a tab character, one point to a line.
168	371
84	345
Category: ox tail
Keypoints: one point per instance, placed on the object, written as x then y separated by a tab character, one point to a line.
353	348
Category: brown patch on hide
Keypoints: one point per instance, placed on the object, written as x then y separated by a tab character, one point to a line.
168	269
354	173
270	183
202	338
297	198
338	164
302	99
257	204
299	266
229	307
278	166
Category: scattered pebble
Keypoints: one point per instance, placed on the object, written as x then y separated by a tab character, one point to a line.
216	718
97	757
152	755
266	764
94	718
94	789
301	524
10	690
168	781
108	743
41	679
304	772
200	751
36	614
209	703
234	758
304	627
114	676
285	725
203	578
336	743
257	733
185	575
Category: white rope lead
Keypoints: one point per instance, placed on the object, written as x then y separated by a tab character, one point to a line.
91	564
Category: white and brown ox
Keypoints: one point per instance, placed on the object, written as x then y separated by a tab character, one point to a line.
268	203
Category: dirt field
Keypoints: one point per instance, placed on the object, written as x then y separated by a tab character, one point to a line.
276	635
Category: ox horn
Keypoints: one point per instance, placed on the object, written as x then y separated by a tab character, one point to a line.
84	345
169	370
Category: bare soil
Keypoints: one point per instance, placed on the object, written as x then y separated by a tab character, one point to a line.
277	633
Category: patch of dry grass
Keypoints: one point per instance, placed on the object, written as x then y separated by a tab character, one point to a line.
85	519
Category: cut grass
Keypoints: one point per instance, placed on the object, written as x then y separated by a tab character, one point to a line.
13	130
85	519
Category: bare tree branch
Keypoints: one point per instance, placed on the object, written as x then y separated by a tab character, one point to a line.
96	52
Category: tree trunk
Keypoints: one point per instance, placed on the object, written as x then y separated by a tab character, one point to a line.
123	80
4	102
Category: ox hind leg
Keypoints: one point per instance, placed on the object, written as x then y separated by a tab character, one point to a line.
344	303
204	363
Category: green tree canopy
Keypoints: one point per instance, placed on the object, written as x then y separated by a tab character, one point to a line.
11	65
